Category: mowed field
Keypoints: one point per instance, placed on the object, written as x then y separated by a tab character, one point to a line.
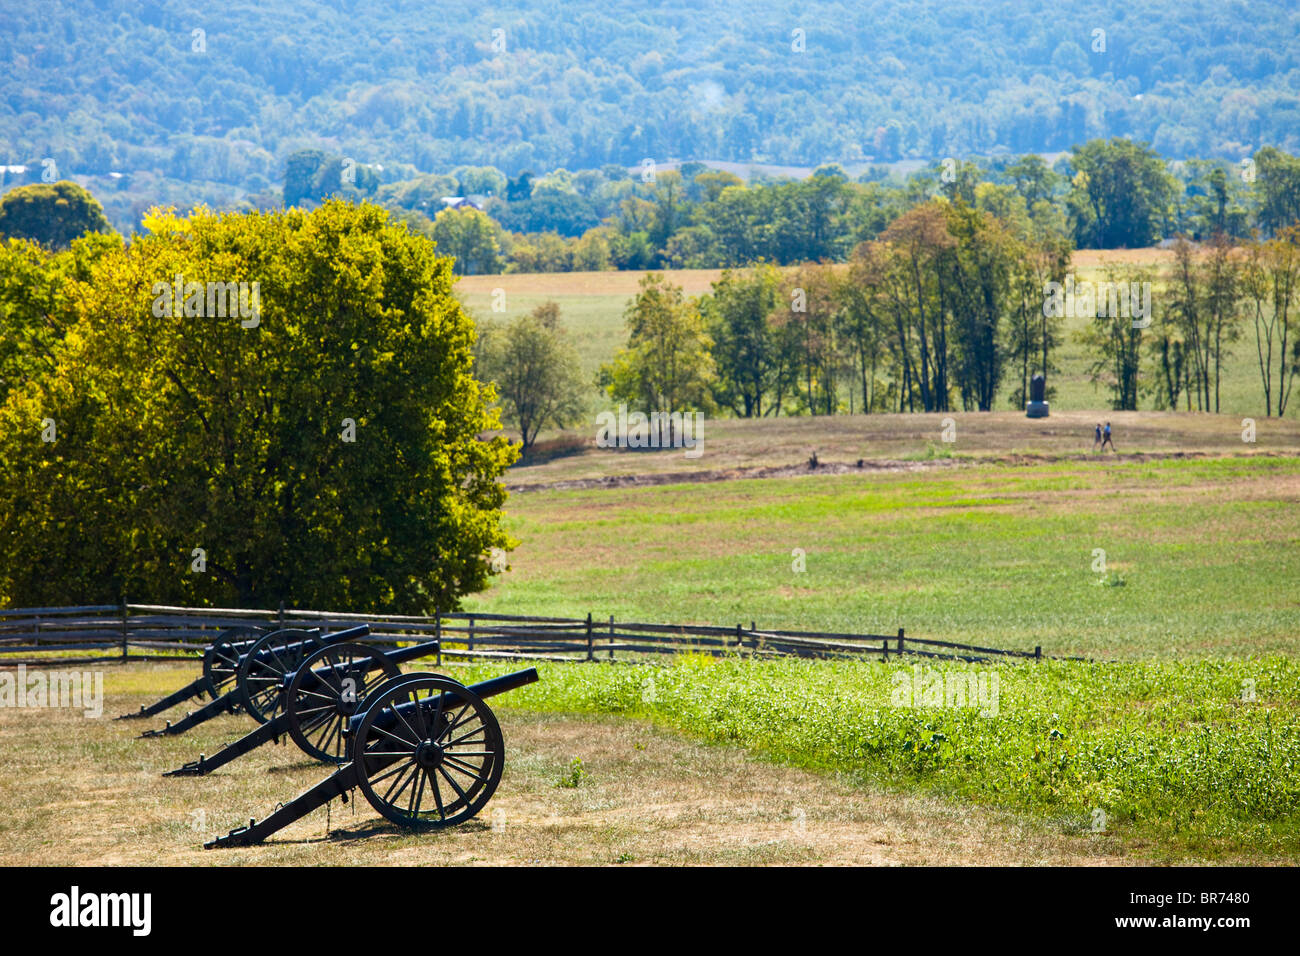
1109	558
92	793
592	306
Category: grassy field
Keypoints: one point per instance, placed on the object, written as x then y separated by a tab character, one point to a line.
728	762
1174	565
1201	556
1180	761
592	305
91	793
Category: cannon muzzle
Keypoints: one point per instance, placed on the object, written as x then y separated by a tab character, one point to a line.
505	683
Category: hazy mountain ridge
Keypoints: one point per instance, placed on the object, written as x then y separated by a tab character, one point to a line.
113	86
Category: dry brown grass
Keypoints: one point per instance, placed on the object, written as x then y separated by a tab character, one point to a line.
79	792
733	445
695	281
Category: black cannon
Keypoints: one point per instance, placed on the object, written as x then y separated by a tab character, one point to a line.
220	662
427	752
330	685
256	687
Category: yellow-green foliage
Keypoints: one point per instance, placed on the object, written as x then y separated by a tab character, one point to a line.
317	439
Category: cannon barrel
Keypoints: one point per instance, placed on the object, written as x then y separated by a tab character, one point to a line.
230	700
350	776
398	655
485	689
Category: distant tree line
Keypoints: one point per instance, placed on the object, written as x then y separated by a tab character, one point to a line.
939	313
1106	194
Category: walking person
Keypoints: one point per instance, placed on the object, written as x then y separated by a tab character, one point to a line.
1107	440
1096	438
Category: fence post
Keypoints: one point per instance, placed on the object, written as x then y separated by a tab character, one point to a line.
437	634
611	637
740	639
591	654
900	642
124	650
1038	652
471	634
281	615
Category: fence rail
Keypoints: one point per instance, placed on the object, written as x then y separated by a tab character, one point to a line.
151	632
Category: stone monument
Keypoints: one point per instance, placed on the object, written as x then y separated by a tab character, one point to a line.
1037	407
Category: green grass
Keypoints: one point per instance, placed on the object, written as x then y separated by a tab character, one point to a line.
1168	756
987	554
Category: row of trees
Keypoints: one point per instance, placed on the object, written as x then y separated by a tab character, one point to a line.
947	309
1216	296
929	317
1106	194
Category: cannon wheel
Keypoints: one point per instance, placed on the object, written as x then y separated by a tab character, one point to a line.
318	708
259	681
221	658
438	766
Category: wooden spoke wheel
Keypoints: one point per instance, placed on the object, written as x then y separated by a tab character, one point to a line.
221	658
428	752
262	670
332	685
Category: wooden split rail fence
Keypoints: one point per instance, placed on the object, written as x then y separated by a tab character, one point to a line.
55	635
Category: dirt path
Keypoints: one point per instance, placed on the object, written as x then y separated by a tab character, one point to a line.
863	466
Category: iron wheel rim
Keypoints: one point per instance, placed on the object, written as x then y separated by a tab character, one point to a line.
316	712
437	765
260	682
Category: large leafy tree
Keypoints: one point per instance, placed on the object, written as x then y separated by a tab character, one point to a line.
537	372
52	214
668	364
1121	194
323	450
753	369
1278	189
471	238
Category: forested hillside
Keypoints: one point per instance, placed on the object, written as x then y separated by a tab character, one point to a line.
189	102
